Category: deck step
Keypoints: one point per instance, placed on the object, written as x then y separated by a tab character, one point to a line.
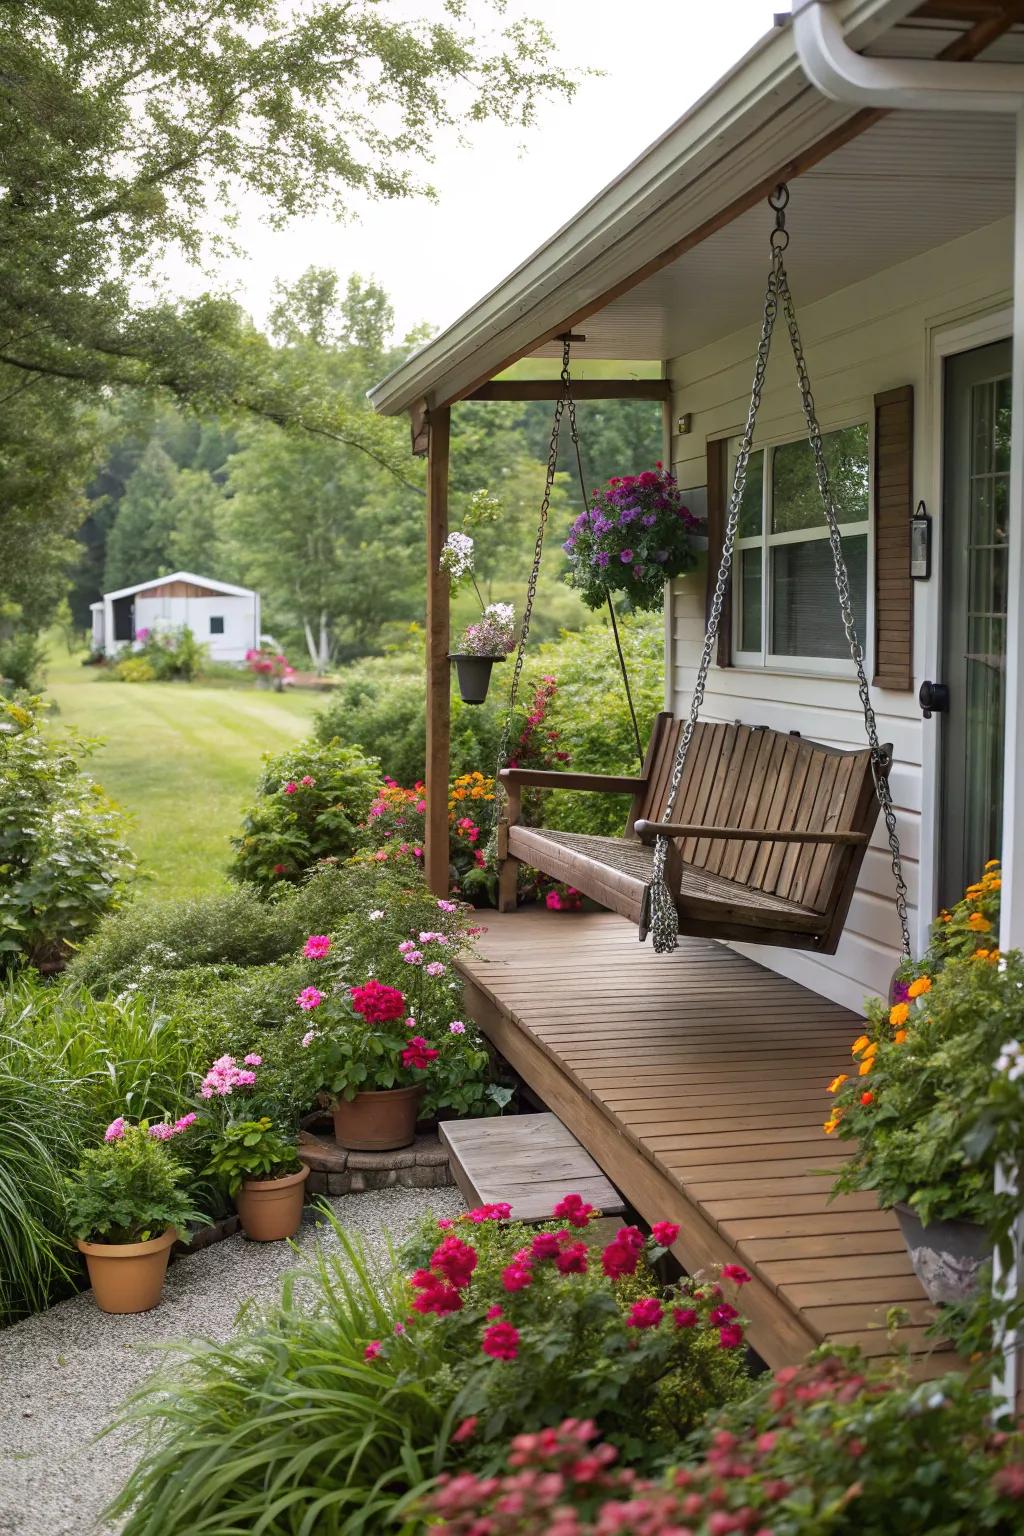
529	1160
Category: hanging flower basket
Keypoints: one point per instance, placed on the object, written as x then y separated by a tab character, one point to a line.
636	535
947	1256
474	675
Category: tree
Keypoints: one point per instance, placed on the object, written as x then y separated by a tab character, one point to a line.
138	545
131	130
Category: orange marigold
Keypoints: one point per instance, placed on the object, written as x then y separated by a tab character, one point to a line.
860	1044
919	987
978	923
899	1037
837	1082
899	1013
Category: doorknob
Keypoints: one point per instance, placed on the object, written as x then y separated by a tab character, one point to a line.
933	699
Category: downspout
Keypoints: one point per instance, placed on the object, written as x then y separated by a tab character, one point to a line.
936	85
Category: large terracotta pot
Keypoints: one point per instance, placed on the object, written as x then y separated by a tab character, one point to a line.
947	1256
377	1121
271	1209
128	1277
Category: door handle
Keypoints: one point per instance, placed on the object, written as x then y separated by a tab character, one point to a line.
933	699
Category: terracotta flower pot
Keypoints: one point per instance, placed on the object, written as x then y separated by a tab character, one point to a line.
947	1256
474	675
128	1277
271	1209
379	1120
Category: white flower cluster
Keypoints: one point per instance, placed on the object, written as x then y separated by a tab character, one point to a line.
457	556
1011	1060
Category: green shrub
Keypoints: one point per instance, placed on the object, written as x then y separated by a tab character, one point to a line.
63	858
128	1189
287	1426
171	655
37	1144
829	1448
310	804
149	937
134	669
22	659
251	1149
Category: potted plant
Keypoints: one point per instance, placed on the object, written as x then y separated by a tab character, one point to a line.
264	1176
934	1099
490	638
636	535
126	1206
371	1060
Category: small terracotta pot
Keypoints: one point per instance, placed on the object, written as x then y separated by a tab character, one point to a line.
271	1209
379	1120
128	1277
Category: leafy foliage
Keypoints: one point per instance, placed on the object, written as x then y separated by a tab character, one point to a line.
310	803
251	1149
63	858
828	1447
127	1190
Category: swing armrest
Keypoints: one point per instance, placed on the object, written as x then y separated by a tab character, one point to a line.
648	831
548	778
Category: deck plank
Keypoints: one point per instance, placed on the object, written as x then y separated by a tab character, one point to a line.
697	1082
531	1161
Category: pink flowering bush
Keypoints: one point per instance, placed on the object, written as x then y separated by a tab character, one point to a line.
131	1187
828	1448
636	535
531	1322
311	803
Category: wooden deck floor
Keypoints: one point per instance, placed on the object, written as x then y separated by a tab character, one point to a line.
697	1082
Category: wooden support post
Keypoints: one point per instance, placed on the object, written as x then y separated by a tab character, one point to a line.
438	682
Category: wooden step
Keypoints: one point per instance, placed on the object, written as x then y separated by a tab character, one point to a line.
529	1160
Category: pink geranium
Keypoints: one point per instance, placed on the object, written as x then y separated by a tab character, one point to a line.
665	1233
501	1341
115	1130
317	946
291	788
308	998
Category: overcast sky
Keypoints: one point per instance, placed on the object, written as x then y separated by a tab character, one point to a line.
500	197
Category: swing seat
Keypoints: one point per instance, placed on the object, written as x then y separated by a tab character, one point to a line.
769	837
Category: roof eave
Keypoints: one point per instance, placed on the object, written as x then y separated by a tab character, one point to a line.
754	120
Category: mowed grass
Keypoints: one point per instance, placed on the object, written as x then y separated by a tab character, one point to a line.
181	758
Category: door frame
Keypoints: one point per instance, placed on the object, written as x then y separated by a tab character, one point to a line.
945	341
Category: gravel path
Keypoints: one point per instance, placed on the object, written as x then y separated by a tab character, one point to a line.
63	1373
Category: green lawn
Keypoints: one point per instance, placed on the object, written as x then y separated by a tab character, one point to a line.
181	758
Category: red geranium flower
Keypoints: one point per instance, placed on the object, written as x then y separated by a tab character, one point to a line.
736	1273
574	1209
418	1054
618	1259
572	1260
665	1233
647	1313
501	1341
455	1260
731	1336
377	1003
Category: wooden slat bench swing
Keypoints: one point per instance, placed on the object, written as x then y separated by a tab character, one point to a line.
736	832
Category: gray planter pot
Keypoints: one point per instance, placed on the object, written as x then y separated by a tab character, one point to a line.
947	1256
474	675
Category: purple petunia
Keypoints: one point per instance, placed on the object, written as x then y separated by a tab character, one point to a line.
629	514
649	520
602	558
626	556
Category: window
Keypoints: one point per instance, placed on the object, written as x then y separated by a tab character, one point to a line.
786	608
216	624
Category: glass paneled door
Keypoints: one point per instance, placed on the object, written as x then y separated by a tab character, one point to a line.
975	511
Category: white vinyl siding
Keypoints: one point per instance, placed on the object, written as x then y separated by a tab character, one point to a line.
860	341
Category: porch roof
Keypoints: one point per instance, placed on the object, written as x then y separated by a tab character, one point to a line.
672	252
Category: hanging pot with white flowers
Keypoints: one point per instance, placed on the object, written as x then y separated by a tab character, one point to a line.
483	643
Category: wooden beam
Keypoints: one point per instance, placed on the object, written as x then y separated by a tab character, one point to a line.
438	682
963	48
419	427
582	389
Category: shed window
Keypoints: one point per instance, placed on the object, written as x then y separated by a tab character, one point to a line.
216	624
786	610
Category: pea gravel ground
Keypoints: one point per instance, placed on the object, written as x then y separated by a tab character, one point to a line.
64	1373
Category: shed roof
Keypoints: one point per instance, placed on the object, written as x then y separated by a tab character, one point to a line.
227	588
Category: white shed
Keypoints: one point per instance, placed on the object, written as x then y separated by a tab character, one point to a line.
223	617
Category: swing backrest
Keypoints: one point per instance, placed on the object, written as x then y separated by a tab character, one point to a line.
752	776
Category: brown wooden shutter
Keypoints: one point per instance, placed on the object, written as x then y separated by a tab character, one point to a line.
717	465
894	491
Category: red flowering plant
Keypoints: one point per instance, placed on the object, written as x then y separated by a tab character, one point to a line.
828	1447
635	535
527	1323
363	1038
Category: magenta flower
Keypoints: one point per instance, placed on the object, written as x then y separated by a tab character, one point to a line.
435	968
308	998
184	1123
115	1130
501	1341
307	781
413	957
665	1233
161	1131
684	1317
291	788
645	1314
308	1038
731	1336
317	946
252	1060
372	1350
448	906
456	1027
626	556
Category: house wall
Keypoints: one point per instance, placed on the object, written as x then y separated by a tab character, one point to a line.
172	612
873	336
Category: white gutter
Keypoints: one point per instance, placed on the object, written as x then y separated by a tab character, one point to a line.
933	85
940	86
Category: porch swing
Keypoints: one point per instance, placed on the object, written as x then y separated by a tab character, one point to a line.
735	832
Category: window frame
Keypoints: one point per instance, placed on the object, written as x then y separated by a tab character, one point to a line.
765	660
217	618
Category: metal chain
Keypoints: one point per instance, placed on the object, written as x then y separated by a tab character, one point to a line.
571	407
531	589
879	759
660	911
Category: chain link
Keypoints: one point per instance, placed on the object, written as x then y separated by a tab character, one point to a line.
531	589
660	911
